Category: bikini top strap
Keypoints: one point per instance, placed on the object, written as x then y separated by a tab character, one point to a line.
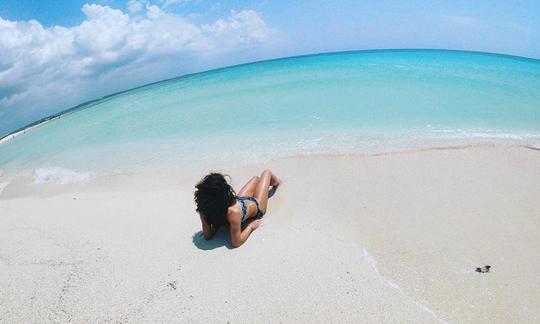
244	207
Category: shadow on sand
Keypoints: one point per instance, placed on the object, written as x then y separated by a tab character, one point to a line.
221	238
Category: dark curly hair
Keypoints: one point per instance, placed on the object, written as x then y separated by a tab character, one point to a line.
213	197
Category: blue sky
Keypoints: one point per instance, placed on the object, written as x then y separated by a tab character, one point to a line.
55	54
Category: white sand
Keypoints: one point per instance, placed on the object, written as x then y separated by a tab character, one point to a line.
388	238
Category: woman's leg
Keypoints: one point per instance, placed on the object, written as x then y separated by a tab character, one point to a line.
249	188
266	180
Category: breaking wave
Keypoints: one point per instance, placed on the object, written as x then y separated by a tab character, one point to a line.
61	175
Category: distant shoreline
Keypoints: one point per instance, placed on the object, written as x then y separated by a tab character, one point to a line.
45	120
23	131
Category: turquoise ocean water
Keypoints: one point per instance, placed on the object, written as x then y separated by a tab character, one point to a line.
366	101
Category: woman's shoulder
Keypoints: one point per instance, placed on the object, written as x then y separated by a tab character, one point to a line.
233	214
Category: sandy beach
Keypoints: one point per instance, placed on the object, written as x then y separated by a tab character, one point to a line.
391	238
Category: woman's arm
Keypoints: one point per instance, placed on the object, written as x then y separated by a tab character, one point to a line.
208	230
239	237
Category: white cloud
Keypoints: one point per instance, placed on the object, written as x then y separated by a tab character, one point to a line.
168	3
45	70
240	28
464	20
135	5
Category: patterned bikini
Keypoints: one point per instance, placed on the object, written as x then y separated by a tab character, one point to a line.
242	202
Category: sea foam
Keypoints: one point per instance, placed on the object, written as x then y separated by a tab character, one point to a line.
373	264
3	186
61	175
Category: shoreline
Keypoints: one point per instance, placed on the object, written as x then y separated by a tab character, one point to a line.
388	148
68	178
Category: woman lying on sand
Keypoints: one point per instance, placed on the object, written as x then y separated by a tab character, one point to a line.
218	204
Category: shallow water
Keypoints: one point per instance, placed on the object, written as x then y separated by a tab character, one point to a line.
367	101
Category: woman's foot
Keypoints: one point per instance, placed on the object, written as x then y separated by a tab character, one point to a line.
273	186
275	181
